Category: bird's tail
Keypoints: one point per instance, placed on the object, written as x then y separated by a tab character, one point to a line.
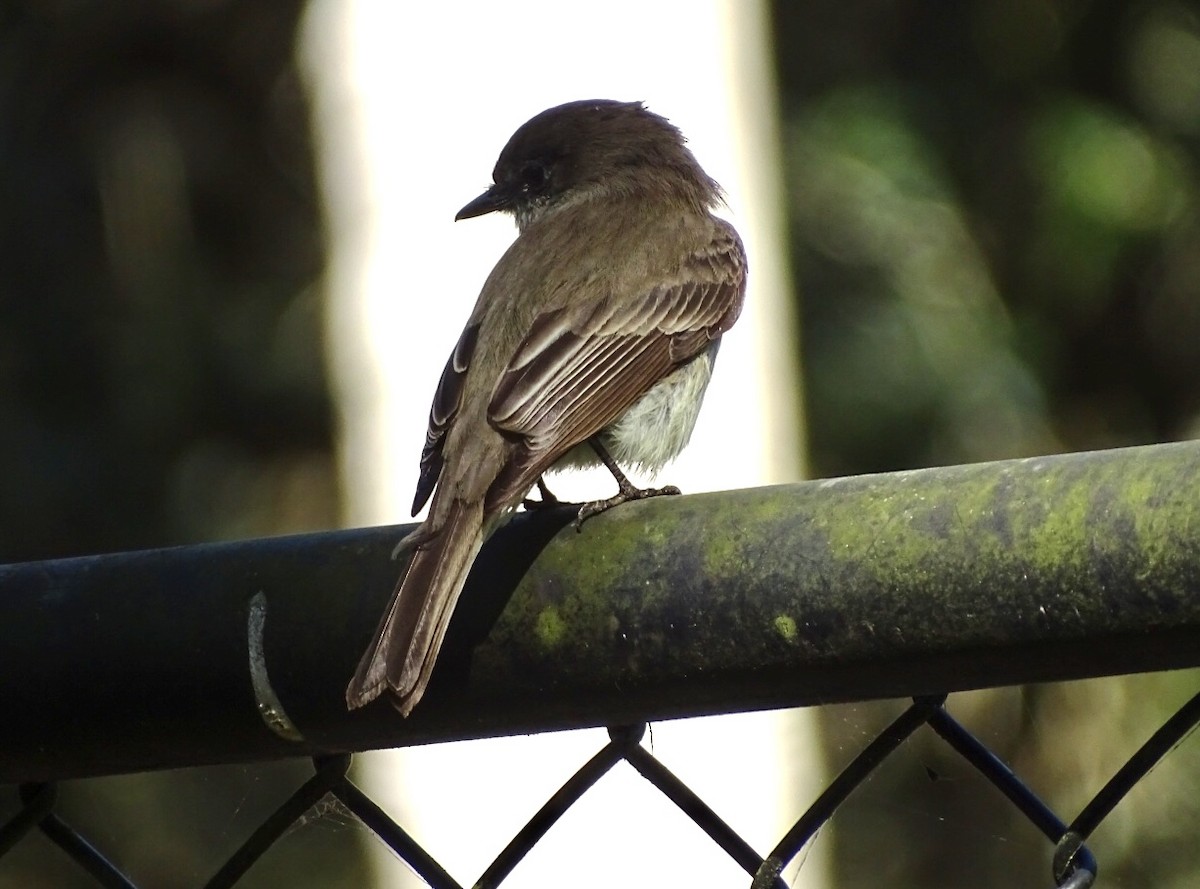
401	655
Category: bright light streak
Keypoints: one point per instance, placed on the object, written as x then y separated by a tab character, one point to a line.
414	102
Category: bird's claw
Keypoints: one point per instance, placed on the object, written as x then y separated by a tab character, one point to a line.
626	494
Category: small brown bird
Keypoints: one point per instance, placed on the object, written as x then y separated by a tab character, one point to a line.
592	341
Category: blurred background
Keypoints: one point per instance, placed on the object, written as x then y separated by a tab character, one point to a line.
992	214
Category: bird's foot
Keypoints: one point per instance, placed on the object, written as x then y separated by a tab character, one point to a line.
548	501
628	492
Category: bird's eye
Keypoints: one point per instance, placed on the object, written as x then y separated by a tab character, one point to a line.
533	176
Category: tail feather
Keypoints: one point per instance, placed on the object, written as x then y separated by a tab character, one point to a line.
401	655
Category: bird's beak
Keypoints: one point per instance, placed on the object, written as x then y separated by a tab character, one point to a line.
491	200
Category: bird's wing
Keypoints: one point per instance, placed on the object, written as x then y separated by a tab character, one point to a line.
583	365
446	401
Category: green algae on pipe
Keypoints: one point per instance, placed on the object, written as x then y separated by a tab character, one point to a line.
900	583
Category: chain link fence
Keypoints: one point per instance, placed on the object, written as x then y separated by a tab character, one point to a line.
1074	865
940	581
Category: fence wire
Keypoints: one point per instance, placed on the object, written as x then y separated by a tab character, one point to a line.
1073	864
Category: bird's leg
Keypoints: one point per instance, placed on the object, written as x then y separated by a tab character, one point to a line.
628	491
548	501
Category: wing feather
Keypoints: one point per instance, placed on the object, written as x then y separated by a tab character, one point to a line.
446	401
581	367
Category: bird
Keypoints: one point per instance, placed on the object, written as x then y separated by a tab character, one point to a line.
592	342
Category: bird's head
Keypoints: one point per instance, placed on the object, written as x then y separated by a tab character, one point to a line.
589	149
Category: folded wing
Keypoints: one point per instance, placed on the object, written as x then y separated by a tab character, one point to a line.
582	366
